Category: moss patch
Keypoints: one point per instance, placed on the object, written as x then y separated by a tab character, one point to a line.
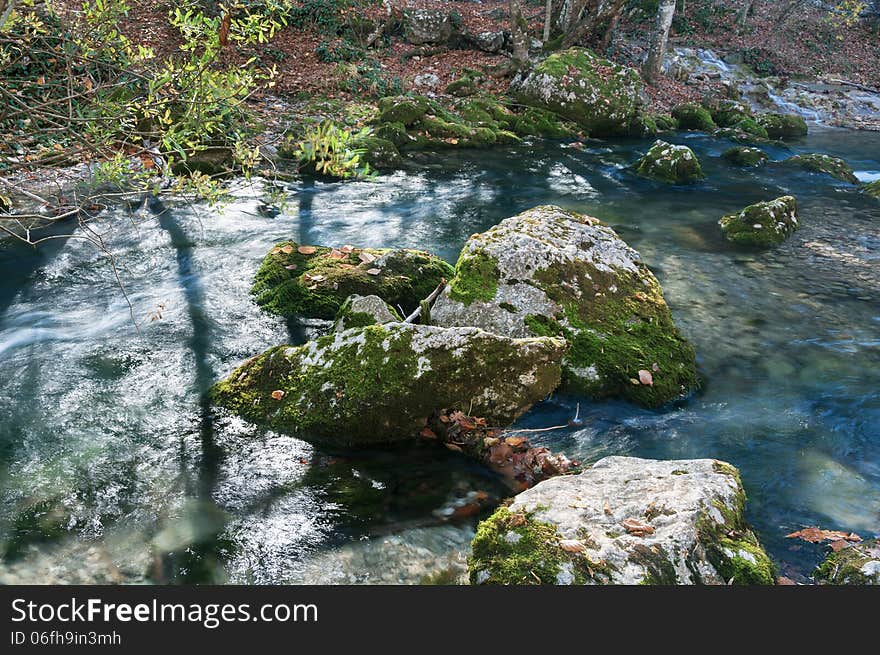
315	283
817	163
745	156
691	116
476	278
872	189
783	126
763	224
858	564
671	164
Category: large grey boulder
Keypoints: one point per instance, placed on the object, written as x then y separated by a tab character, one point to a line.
382	383
428	26
602	97
551	272
625	521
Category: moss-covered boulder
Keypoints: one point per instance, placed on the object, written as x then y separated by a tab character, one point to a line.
625	521
665	122
745	156
551	272
763	224
361	311
727	113
381	383
403	109
857	564
691	116
752	128
671	164
817	163
381	154
872	189
462	87
542	123
297	281
600	96
783	126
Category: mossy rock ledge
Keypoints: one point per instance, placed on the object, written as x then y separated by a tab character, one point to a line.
314	281
551	272
817	163
671	164
872	189
627	521
783	126
602	97
858	564
381	383
763	224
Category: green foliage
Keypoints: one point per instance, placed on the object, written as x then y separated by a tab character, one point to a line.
338	51
368	79
328	149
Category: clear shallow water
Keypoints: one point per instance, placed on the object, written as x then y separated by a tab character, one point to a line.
112	469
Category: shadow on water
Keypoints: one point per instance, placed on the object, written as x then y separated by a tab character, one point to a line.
201	560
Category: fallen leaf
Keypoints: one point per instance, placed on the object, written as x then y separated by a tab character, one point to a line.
306	250
287	249
517	520
278	394
654	367
366	257
645	377
637	528
348	249
337	254
515	442
816	535
347	266
428	433
572	546
291	267
782	580
373	271
839	545
453	447
607	509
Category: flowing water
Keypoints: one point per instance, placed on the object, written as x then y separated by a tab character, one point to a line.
113	469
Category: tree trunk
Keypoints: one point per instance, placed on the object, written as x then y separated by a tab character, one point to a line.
519	32
657	50
548	20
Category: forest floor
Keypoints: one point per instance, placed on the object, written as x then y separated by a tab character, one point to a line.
807	43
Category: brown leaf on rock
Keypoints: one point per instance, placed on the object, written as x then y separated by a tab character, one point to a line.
839	545
278	394
347	249
287	249
337	254
637	528
515	442
291	267
366	257
645	377
306	250
572	546
428	433
373	271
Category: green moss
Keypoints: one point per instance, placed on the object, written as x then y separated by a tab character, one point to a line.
857	564
659	569
402	110
463	86
783	126
476	278
506	306
665	122
751	127
296	285
817	163
370	385
691	116
516	549
728	113
393	132
542	123
599	95
745	156
379	153
872	189
617	334
643	126
670	164
349	316
763	224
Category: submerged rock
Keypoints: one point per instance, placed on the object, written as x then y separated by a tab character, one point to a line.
360	311
872	189
599	95
691	116
625	521
783	126
857	564
551	272
728	113
314	281
381	383
745	156
833	166
670	163
762	224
